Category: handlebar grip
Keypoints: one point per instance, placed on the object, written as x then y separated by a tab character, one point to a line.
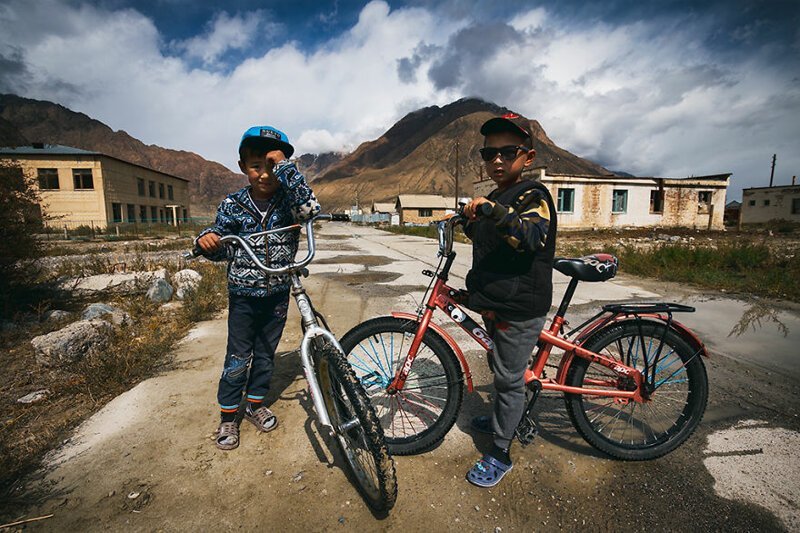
484	210
193	254
340	217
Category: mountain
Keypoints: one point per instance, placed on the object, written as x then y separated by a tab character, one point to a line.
23	121
418	155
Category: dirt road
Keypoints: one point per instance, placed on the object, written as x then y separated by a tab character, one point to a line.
147	461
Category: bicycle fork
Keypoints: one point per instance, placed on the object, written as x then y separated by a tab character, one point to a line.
312	331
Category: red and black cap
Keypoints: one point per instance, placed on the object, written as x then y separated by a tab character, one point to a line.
510	122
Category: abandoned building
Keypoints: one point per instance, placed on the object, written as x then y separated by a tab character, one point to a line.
765	204
80	188
584	202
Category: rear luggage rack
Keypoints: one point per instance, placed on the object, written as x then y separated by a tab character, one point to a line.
647	307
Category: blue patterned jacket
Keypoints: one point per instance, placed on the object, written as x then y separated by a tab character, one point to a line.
238	215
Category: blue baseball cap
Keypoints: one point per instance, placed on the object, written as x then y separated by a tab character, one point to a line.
268	138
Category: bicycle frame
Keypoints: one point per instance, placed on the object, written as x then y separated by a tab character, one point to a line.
442	297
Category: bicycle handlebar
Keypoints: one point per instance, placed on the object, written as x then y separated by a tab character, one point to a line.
248	249
445	228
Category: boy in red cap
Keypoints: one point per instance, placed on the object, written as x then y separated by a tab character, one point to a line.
277	196
511	280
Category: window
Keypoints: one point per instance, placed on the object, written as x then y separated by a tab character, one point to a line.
766	203
751	202
82	178
796	206
161	190
142	213
425	212
116	210
131	213
703	201
170	192
48	179
619	201
657	201
151	188
153	214
185	216
566	200
140	186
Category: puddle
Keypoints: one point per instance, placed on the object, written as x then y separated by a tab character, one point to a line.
363	260
753	332
368	276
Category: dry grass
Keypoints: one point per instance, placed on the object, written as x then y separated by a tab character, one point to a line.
136	352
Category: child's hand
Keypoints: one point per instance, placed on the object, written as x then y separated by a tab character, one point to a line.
209	243
274	157
471	209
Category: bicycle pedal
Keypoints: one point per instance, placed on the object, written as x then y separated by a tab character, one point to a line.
526	431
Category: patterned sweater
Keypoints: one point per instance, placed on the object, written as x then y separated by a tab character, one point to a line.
238	215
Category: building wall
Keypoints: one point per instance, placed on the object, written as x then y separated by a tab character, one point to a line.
114	182
781	199
593	202
410	215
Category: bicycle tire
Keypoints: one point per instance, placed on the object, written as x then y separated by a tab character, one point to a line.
417	418
670	416
370	465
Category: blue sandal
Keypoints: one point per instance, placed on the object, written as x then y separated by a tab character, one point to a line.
488	472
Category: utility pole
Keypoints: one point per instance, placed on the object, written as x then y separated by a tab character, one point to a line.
772	174
456	206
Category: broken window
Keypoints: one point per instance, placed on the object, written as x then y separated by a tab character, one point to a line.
657	201
703	201
566	200
619	201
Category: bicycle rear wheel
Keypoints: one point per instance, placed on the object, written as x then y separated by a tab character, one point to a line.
631	430
358	433
416	418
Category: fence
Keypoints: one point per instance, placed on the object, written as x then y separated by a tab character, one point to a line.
371	218
65	229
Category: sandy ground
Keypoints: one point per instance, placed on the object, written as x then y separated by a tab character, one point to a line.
147	462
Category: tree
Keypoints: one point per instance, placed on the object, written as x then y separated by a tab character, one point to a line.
20	221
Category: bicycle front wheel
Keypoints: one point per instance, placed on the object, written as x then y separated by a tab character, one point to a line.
627	429
358	433
417	417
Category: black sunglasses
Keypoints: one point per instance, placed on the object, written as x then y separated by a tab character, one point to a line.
508	153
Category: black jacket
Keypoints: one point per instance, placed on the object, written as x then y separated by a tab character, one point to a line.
512	253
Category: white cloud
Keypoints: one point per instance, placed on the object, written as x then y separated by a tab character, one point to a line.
647	97
230	32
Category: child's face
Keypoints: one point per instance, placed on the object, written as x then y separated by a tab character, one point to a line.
503	172
258	170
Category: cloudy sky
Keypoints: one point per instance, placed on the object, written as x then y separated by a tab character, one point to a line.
664	88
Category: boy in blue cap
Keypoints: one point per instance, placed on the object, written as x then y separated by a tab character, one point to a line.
277	196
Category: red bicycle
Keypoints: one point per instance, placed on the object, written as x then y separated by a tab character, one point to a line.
634	383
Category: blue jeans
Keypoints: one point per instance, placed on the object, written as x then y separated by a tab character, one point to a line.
255	326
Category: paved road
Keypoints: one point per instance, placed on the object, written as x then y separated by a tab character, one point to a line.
741	461
145	462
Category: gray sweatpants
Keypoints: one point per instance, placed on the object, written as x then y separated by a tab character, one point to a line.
513	345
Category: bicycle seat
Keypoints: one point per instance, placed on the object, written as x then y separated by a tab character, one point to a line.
595	267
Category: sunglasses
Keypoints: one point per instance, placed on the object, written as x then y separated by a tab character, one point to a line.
508	153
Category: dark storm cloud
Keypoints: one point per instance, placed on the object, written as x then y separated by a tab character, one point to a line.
468	49
14	73
407	66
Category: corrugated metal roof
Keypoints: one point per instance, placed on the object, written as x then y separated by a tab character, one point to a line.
57	149
381	207
46	149
429	201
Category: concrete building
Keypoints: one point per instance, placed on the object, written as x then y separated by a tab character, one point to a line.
420	208
80	188
584	202
765	204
